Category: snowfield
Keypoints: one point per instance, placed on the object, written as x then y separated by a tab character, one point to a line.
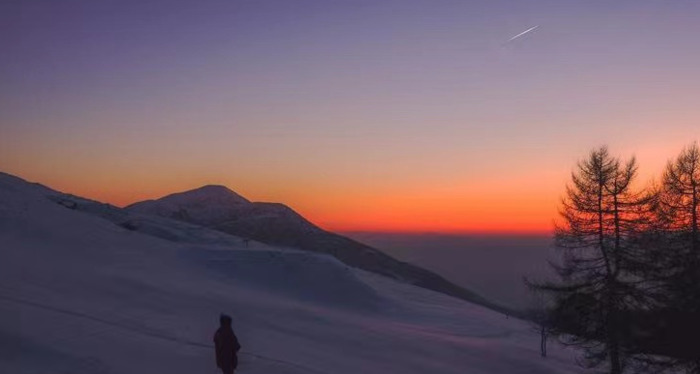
81	294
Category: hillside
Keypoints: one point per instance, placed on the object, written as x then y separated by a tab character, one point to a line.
221	209
80	294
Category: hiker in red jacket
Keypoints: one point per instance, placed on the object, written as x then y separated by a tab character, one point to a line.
226	345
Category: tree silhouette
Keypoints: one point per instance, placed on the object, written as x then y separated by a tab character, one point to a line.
674	257
596	289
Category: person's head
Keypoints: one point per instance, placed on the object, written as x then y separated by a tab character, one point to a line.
225	320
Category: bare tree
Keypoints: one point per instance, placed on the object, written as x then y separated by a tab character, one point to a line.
674	257
600	214
679	198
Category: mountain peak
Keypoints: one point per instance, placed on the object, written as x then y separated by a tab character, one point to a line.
213	189
210	193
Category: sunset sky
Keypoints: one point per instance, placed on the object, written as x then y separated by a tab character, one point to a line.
386	115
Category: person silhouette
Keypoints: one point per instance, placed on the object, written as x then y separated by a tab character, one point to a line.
226	346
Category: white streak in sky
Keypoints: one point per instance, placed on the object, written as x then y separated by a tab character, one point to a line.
522	33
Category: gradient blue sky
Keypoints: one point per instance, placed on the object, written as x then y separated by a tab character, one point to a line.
386	115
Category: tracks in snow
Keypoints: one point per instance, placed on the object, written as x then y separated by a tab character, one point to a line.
149	333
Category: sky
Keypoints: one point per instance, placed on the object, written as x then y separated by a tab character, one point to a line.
393	115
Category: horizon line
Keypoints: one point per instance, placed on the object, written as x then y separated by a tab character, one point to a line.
449	232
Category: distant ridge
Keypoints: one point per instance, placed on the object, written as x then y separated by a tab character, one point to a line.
220	208
209	194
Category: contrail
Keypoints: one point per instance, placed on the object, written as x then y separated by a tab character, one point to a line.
522	33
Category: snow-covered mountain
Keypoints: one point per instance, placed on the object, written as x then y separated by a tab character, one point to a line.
86	288
221	209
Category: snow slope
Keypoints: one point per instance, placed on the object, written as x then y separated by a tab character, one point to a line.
81	294
219	208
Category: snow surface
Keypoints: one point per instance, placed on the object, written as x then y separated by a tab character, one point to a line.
209	203
81	294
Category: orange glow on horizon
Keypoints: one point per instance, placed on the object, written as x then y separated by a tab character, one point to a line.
501	199
463	208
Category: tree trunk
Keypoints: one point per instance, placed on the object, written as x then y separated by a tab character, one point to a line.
694	219
612	338
615	366
543	341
